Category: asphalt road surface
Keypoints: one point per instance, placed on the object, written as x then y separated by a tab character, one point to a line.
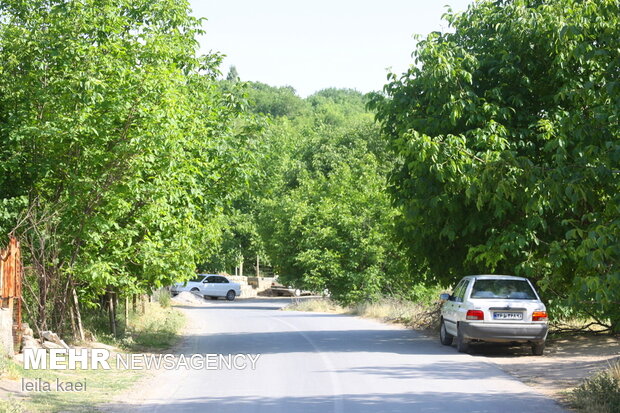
323	363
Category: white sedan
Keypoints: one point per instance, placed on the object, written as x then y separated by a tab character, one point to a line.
209	286
494	308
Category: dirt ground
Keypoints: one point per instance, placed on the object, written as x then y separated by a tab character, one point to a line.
566	363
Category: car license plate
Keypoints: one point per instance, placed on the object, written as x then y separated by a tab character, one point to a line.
507	316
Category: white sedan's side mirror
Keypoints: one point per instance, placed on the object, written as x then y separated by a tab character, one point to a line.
444	297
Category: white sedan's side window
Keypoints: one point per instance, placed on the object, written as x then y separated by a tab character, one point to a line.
454	296
459	293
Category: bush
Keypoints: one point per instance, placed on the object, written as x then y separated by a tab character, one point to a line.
163	297
600	393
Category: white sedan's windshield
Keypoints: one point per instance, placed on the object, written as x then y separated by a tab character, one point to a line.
509	289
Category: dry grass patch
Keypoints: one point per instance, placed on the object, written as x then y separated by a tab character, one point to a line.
316	305
411	314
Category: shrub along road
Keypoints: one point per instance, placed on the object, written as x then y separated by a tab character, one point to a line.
315	362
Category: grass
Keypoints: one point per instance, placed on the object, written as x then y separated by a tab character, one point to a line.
11	371
163	297
316	305
600	393
419	315
8	368
101	386
155	330
412	314
11	406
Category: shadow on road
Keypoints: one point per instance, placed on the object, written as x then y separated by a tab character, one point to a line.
358	403
383	341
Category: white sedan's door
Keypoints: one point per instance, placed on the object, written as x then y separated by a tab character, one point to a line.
211	286
223	286
460	307
452	307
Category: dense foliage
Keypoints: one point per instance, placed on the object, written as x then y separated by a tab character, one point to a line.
118	149
316	209
324	214
507	134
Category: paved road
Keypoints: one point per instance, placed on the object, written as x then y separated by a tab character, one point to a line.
312	362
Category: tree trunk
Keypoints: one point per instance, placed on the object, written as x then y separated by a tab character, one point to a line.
126	312
78	316
42	300
72	318
111	313
257	266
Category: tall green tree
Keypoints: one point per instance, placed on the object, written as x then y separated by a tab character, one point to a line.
233	75
325	216
117	147
275	101
507	133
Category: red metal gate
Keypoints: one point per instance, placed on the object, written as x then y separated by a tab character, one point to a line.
11	272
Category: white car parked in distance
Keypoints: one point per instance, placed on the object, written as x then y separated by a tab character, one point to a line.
494	308
209	286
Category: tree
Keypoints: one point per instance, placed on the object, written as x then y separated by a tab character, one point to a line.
233	75
275	101
507	136
117	147
324	215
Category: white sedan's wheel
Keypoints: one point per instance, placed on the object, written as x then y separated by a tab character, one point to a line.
461	344
230	296
538	349
445	337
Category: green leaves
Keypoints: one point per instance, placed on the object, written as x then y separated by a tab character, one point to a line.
324	214
508	133
109	120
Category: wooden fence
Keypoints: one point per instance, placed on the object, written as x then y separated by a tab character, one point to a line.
11	273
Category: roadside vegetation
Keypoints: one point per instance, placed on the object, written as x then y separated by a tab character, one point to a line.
421	313
155	329
11	405
118	151
600	393
389	309
154	325
101	386
506	152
